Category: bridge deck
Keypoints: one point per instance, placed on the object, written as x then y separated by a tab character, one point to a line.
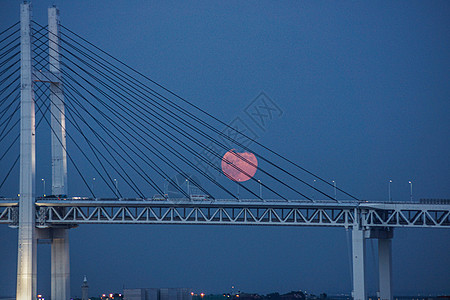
74	211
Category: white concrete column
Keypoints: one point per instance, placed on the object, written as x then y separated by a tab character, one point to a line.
58	120
359	253
385	268
60	283
26	263
60	259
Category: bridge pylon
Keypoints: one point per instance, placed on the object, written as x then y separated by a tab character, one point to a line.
27	250
60	259
28	235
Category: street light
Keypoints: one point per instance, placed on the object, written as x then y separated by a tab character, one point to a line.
43	183
239	182
117	187
188	189
260	189
93	181
389	189
314	192
166	186
334	183
410	194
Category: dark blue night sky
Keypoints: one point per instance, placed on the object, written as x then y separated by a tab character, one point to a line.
365	97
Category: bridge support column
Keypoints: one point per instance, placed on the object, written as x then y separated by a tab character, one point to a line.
385	268
60	283
26	257
384	237
359	253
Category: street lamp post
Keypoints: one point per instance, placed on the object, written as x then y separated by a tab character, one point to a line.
117	186
260	189
188	189
389	190
334	183
314	191
43	183
239	181
93	181
410	193
166	186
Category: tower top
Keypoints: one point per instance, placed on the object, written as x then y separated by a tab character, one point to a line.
84	289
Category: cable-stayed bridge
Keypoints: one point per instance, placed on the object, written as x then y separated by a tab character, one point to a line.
109	120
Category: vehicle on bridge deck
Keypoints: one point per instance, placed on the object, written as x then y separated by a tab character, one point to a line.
57	197
159	197
199	197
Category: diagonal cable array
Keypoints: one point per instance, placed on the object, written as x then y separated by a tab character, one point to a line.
9	79
122	125
204	113
147	120
10	96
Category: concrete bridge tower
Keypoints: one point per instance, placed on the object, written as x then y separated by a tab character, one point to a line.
28	235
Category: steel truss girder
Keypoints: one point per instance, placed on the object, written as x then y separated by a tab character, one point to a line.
204	214
368	215
9	215
406	215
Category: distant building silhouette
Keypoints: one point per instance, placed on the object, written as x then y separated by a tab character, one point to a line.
85	289
157	294
294	295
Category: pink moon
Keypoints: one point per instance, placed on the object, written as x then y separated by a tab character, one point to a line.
239	166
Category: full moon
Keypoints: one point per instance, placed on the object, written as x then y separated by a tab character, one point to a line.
239	166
